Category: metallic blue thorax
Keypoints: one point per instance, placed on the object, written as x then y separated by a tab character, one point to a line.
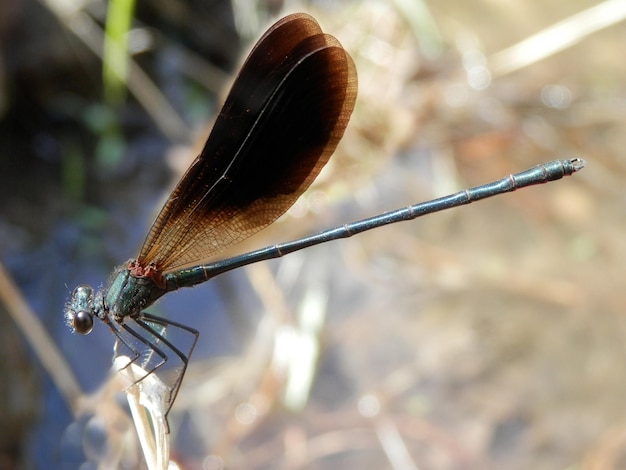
128	295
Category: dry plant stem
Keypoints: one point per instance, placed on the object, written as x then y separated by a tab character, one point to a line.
146	399
558	37
40	341
394	446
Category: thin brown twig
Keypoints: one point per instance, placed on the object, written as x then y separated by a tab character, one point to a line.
40	341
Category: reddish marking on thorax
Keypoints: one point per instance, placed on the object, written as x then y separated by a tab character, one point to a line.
151	271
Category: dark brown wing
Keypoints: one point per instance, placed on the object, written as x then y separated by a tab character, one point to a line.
284	116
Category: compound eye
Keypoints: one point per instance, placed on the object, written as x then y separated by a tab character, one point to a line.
83	322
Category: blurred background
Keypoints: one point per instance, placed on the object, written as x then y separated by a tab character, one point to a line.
489	336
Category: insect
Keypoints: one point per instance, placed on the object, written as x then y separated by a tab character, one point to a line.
282	120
